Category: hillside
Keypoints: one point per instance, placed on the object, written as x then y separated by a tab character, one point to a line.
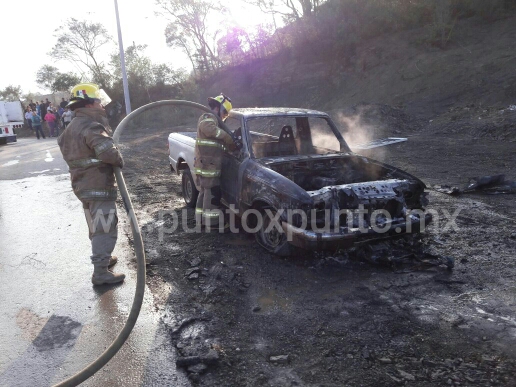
417	81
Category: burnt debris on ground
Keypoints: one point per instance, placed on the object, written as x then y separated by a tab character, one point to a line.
490	185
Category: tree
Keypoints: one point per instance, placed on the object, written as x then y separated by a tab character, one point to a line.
175	39
231	44
64	82
138	66
46	76
143	76
30	96
188	29
261	40
50	78
79	42
288	9
164	74
11	93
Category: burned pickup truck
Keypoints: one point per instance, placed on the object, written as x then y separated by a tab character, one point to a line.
295	182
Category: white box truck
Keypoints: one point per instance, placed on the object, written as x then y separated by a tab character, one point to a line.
11	118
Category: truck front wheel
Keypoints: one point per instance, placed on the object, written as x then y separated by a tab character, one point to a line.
190	192
273	240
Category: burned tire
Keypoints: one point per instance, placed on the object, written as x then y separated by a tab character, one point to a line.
274	241
190	192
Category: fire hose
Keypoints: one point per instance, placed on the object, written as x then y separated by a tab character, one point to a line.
115	346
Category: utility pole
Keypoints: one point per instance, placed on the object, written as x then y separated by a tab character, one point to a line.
122	63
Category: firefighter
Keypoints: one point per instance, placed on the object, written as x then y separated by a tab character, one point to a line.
91	154
210	145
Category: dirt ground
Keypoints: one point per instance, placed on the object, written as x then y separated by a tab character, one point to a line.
241	317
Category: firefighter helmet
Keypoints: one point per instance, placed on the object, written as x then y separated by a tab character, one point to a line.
220	101
88	92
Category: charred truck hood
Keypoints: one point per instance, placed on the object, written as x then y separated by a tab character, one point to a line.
348	182
318	171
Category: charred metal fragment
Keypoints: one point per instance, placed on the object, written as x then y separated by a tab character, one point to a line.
491	185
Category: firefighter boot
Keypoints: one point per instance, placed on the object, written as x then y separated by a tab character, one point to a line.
102	275
112	261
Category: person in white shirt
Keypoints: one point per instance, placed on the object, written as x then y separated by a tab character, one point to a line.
67	117
28	117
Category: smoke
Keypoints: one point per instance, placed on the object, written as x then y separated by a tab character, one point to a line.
322	135
356	131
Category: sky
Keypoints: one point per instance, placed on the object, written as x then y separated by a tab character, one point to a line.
28	33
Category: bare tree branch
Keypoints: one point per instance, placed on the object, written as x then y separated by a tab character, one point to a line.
79	42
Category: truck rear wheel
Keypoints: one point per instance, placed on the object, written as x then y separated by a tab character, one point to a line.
190	192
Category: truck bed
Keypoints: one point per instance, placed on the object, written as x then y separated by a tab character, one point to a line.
184	137
181	150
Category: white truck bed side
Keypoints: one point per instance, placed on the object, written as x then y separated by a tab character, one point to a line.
181	150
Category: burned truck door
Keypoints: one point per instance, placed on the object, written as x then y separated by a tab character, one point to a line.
230	165
229	179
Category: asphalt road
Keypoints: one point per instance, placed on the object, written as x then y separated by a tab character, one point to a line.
54	322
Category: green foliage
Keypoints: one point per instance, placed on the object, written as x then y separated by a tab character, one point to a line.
147	81
46	76
65	82
11	93
51	79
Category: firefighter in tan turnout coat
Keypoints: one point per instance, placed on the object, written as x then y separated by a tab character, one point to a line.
210	145
90	153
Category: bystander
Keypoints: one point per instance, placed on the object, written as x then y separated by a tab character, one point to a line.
36	124
28	118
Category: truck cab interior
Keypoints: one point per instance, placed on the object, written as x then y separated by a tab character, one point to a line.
291	136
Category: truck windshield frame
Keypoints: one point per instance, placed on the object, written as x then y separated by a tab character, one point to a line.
293	135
